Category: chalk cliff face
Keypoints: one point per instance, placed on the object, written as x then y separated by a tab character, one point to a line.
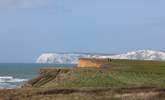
65	58
142	55
72	58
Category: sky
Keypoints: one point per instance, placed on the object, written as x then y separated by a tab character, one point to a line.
29	28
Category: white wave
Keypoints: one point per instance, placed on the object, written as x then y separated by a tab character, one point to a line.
8	86
10	79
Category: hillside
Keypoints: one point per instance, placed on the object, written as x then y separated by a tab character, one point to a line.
128	79
72	58
118	73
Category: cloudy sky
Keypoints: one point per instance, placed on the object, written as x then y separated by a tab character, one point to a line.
31	27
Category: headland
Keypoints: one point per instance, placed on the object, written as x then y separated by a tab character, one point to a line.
95	79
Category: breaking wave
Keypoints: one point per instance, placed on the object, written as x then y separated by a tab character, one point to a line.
9	82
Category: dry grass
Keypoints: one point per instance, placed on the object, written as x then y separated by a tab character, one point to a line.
83	94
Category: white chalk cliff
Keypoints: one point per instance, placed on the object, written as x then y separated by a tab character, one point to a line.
72	58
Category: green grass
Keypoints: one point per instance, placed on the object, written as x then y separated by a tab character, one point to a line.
117	74
119	80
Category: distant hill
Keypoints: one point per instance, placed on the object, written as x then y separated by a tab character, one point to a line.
72	58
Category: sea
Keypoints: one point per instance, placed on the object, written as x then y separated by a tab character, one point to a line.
14	75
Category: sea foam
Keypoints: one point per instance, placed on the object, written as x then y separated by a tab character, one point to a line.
9	82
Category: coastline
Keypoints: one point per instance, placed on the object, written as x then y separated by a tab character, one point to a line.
129	79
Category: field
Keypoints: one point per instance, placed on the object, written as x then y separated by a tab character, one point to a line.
118	79
118	74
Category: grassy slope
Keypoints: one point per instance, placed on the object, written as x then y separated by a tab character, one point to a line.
120	73
97	84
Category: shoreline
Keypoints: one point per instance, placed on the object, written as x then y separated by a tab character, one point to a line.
114	79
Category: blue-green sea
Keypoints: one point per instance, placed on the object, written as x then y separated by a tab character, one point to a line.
13	75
